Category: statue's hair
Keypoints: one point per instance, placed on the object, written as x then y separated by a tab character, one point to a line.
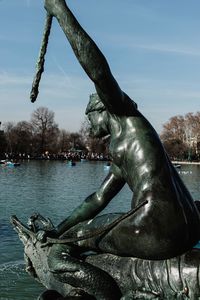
95	104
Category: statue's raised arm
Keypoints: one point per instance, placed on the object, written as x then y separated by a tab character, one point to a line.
91	59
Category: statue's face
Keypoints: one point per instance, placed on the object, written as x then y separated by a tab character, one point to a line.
99	123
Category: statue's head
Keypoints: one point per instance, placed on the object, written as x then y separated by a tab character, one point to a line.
94	104
98	116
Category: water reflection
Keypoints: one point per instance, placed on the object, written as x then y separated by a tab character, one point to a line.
15	283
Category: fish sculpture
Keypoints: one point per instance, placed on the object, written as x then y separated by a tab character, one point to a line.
67	273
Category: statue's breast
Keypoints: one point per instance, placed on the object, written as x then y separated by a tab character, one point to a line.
117	151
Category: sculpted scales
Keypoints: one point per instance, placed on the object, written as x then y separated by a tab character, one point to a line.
107	276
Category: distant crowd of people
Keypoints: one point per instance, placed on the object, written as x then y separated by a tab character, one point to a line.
68	155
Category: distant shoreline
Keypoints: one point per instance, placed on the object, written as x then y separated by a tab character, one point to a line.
186	162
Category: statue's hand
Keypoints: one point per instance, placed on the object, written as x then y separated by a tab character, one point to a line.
42	235
37	222
53	6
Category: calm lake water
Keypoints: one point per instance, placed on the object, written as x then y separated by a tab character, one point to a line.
54	189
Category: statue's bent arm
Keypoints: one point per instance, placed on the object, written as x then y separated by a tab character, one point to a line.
96	202
90	57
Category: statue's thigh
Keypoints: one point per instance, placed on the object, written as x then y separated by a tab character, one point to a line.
144	234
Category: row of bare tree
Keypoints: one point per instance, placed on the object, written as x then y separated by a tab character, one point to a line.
42	135
181	136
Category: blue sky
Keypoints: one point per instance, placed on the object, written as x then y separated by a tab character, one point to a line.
153	49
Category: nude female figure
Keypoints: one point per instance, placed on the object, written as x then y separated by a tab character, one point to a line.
168	224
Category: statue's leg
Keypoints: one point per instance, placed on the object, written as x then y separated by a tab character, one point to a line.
124	239
154	231
93	229
151	233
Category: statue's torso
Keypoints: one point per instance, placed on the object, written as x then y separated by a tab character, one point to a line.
144	165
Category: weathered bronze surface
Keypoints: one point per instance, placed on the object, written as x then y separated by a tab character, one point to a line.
68	274
168	225
164	222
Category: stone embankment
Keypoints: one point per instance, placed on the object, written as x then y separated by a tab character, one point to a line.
176	162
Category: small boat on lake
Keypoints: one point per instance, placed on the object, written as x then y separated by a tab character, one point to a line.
9	163
107	166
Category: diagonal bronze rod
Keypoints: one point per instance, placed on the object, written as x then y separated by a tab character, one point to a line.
95	232
41	59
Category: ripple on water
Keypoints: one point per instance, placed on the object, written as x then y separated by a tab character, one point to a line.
15	283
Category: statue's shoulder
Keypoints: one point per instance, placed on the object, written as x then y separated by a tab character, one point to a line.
126	106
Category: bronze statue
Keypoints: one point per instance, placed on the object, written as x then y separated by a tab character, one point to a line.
107	276
86	250
168	224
